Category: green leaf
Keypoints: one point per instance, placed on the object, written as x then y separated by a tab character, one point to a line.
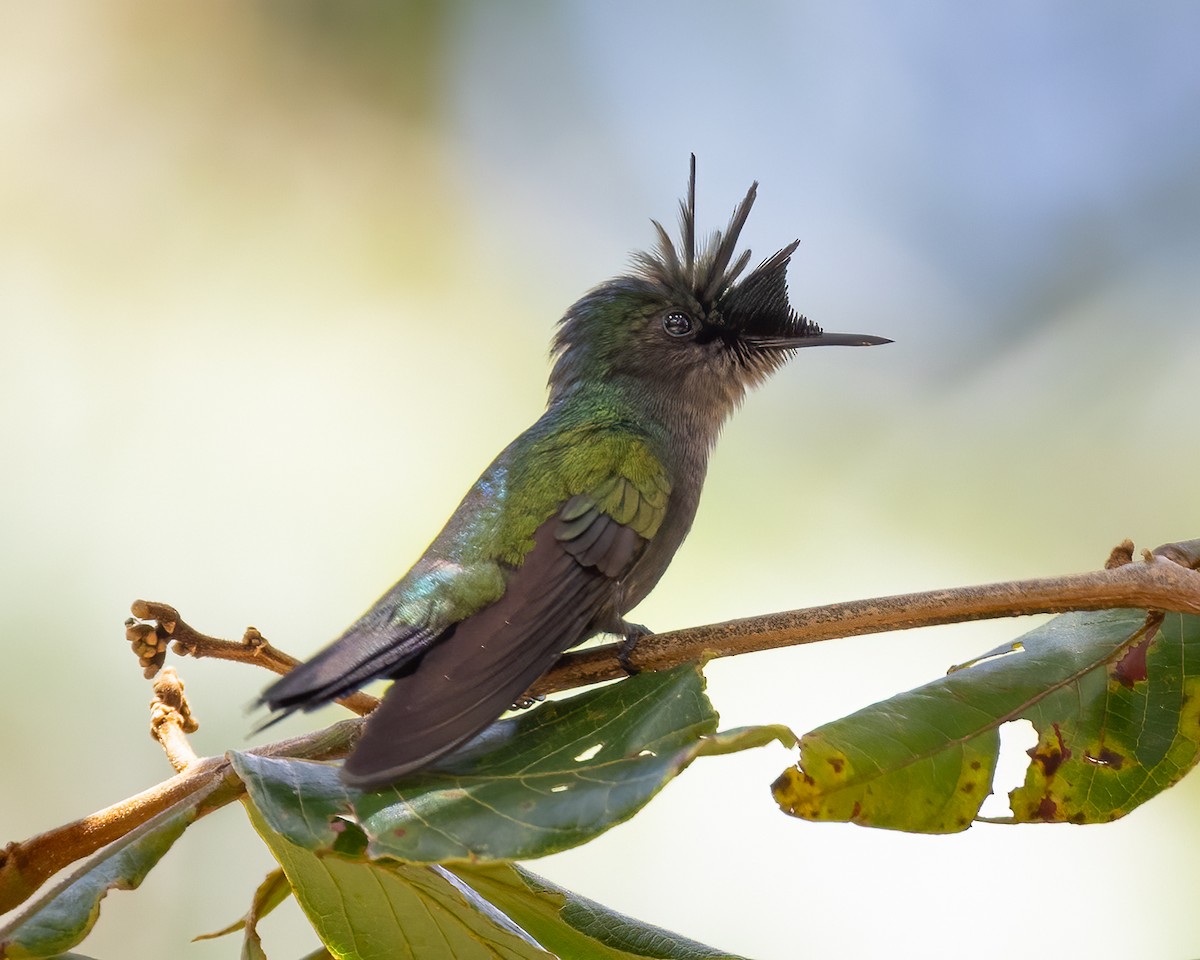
369	909
65	915
572	926
373	910
1115	704
538	783
270	894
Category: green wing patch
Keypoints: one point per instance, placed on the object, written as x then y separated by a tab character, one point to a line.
608	526
640	508
581	474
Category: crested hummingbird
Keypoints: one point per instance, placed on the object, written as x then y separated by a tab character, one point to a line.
577	519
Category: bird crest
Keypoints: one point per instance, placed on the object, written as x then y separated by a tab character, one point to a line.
755	307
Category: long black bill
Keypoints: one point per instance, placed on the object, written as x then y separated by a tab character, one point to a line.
817	340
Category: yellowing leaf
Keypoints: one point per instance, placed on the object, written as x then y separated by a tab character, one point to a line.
1114	702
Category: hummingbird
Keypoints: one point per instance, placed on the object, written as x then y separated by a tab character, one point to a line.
576	520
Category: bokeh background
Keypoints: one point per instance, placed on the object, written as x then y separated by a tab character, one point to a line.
277	280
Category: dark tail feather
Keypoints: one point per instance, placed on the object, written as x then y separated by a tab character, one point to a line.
474	674
373	647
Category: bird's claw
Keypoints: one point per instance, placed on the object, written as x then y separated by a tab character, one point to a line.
633	633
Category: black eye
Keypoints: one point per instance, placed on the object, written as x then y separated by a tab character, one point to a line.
677	324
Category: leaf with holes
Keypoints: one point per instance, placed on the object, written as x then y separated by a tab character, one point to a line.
1114	701
535	784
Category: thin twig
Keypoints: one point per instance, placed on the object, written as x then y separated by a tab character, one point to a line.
158	624
171	720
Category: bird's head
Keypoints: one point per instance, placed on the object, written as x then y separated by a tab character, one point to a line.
683	323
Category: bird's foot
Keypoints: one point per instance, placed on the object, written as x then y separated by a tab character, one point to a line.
633	632
524	703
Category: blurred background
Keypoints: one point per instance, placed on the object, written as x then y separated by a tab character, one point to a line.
277	281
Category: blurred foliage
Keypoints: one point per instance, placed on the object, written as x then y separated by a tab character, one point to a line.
388	55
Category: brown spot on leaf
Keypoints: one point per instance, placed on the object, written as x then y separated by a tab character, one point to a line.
1131	668
837	763
1047	810
1051	756
975	764
1106	758
790	776
856	810
968	787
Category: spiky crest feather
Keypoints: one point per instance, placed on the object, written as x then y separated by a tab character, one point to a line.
708	278
749	315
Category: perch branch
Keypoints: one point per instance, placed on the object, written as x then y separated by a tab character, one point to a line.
1166	579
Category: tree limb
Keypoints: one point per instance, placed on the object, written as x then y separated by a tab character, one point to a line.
1165	580
26	866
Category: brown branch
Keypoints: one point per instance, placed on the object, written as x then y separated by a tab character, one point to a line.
1186	553
157	624
171	720
26	866
1164	580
